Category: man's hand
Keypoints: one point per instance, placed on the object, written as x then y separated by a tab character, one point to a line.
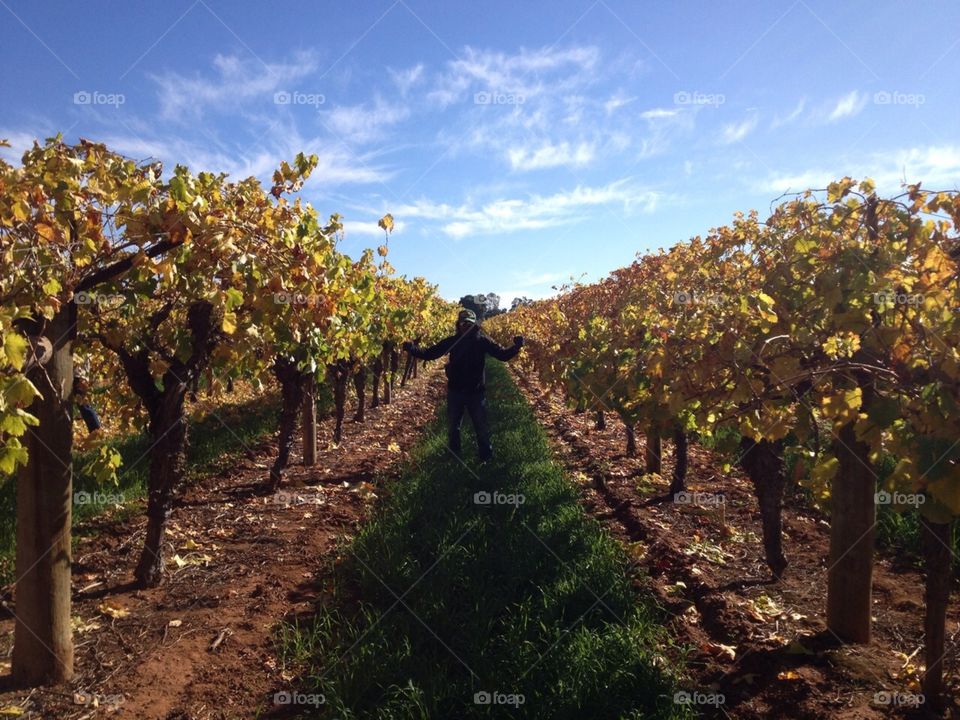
518	341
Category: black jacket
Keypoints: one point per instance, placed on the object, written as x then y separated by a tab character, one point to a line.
467	357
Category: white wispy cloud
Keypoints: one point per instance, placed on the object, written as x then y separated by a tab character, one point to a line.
659	113
550	156
341	168
524	74
795	182
663	126
407	78
545	108
790	117
849	105
20	142
735	132
575	106
519	72
370	228
616	102
535	212
336	165
235	81
366	122
936	166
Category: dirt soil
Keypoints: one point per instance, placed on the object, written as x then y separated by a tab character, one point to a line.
201	646
762	645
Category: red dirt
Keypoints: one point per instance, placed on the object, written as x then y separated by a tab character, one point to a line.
251	562
762	644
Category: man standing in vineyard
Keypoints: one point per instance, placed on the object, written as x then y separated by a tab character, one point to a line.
465	377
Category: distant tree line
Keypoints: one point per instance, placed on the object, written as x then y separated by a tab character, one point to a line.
488	305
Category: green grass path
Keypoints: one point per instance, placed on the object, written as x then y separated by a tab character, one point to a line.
442	601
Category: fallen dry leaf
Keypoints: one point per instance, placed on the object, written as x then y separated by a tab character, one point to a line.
111	611
81	626
719	649
192	559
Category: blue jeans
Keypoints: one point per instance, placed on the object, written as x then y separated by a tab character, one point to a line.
90	417
474	403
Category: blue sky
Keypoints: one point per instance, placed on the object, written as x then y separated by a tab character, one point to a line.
516	143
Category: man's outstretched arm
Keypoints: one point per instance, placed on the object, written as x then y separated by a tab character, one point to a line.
502	353
431	353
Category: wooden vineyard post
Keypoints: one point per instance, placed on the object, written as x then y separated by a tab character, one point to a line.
852	523
631	439
407	370
654	451
679	480
936	541
309	422
360	387
43	637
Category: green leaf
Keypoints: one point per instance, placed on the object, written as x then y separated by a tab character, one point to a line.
178	189
52	286
234	298
11	455
16	423
838	190
104	464
19	391
15	348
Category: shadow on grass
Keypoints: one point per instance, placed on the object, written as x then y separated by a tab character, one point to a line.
483	582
